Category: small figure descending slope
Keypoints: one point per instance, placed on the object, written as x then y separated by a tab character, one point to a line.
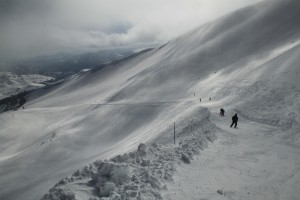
222	112
235	119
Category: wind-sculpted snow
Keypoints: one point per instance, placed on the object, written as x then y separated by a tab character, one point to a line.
246	62
12	84
140	174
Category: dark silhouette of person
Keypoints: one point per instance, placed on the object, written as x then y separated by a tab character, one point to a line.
235	119
200	99
222	112
210	98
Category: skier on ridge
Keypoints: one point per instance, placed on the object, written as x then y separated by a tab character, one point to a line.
235	119
222	112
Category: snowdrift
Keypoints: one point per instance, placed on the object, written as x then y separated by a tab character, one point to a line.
137	174
246	61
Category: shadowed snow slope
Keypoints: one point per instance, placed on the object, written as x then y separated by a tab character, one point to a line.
248	59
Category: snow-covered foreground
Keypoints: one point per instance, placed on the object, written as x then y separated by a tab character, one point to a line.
251	162
140	174
256	161
247	62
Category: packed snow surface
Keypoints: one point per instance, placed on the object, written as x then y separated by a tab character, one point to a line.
109	131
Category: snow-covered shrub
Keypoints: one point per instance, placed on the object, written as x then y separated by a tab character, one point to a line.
106	189
94	198
145	162
120	174
63	181
185	158
131	187
130	193
59	194
142	149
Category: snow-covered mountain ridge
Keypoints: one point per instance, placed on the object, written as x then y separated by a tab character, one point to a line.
247	62
11	84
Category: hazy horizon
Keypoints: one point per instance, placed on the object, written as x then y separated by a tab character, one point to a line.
34	28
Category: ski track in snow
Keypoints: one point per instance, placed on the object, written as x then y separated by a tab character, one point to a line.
243	163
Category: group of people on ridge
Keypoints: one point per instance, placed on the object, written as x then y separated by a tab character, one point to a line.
235	118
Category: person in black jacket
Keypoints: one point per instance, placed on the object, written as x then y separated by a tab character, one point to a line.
222	112
235	119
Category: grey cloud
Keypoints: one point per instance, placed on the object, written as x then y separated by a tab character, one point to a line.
34	27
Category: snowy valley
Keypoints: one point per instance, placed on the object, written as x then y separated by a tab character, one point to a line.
107	133
12	83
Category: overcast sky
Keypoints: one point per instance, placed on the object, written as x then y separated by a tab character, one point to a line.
39	27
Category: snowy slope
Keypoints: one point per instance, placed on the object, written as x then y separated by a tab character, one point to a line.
247	62
11	84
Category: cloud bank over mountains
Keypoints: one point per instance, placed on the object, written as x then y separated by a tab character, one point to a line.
33	27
